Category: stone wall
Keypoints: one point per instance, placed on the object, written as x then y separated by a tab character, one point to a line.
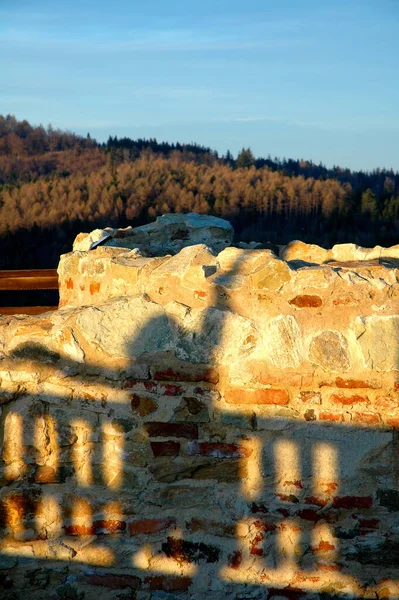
204	426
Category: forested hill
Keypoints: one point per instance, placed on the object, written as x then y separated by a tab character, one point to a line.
54	184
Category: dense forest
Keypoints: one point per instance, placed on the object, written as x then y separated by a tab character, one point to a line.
54	184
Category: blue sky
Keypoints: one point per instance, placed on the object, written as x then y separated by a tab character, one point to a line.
301	79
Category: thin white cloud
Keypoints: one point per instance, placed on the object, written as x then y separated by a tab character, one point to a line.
349	124
151	41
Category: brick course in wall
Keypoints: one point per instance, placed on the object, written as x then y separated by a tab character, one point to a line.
160	445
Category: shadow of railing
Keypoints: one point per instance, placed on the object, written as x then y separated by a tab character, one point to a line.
200	500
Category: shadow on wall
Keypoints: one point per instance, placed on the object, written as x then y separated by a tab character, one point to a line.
137	486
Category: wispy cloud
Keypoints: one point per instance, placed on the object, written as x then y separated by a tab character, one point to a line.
353	124
152	41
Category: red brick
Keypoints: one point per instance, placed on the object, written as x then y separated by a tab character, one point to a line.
113	581
168	584
330	487
185	430
78	530
305	301
265	396
366	418
172	390
108	527
150	526
256	549
168	448
189	374
347	400
309	514
328	415
217	450
94	287
351	384
297	483
235	559
324	546
317	501
353	502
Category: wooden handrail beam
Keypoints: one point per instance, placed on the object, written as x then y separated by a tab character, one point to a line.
28	279
26	310
28	273
35	279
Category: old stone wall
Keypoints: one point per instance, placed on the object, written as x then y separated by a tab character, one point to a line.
204	426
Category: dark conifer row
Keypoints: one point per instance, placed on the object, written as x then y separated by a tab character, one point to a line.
54	184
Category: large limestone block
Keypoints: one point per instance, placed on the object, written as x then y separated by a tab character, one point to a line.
236	261
196	256
349	252
314	277
312	253
378	337
126	270
168	234
330	350
185	277
392	252
87	241
127	328
272	276
284	342
210	335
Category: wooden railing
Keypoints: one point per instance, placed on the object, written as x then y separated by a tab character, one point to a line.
28	280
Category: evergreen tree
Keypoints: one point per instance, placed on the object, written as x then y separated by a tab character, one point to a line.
245	159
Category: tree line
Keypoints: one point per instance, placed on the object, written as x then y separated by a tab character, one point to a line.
53	189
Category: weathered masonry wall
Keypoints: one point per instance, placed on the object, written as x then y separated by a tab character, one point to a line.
199	426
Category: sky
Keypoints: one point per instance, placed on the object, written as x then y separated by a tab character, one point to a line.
307	79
